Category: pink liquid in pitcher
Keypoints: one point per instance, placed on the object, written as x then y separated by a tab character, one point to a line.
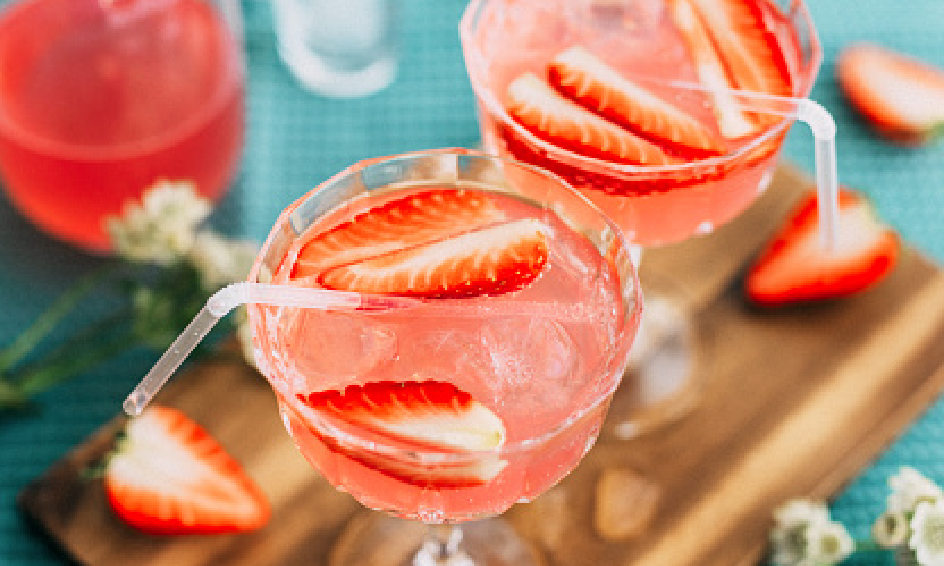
647	42
533	371
99	99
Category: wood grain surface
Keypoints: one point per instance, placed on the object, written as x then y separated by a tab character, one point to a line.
795	402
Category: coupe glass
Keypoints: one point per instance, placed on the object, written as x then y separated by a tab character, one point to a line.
523	355
654	205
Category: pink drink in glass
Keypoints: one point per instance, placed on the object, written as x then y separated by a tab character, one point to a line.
98	100
653	43
542	359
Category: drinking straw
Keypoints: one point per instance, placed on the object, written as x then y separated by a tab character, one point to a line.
821	124
231	296
228	298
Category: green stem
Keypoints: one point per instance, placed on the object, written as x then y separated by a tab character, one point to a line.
11	397
78	343
67	365
869	546
48	320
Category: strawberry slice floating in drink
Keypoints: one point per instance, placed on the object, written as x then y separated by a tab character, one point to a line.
493	260
732	120
416	419
749	50
169	476
396	225
795	267
547	114
902	97
586	79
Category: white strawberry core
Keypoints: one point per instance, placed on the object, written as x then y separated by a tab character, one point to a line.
476	428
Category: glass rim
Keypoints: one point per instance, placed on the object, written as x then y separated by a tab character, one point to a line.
613	362
475	63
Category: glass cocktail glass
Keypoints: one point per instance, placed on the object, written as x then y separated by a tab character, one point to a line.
101	99
655	205
446	405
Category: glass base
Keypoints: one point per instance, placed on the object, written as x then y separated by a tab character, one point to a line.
661	383
381	540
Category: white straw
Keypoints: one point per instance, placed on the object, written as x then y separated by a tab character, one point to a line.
823	127
230	297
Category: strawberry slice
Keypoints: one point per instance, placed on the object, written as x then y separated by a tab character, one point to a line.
794	267
398	224
899	95
169	476
733	122
490	261
586	79
547	114
425	416
749	50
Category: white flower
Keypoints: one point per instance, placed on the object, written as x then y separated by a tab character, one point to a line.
927	533
827	542
804	535
221	261
788	537
891	529
800	512
909	487
162	227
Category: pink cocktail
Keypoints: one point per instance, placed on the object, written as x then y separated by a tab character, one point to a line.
98	100
667	114
688	184
493	382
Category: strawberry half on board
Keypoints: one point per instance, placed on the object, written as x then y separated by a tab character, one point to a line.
168	476
415	419
794	267
489	261
902	97
547	114
395	225
585	78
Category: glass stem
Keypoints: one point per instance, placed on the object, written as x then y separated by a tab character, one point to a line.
441	548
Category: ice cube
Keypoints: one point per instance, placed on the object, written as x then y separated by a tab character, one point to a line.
530	359
336	345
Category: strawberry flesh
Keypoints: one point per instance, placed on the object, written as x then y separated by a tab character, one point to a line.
490	261
398	224
547	114
902	97
586	79
794	267
429	416
169	476
733	121
749	50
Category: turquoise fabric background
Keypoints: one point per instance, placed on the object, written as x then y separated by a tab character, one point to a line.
296	140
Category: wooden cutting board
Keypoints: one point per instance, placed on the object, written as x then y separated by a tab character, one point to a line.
796	401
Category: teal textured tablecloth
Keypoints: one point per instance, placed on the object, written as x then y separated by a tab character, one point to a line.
296	140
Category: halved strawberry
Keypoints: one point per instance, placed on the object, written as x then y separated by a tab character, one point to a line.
733	121
794	267
428	417
585	78
899	95
749	50
548	115
405	222
493	260
169	476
